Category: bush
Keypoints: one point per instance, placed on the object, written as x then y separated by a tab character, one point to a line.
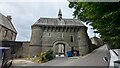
20	56
46	56
49	55
42	57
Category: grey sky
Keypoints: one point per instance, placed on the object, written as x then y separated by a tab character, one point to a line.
24	14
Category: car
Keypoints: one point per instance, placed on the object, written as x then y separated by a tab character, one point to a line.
5	57
115	58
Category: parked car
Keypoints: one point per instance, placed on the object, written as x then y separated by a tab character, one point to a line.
5	57
115	58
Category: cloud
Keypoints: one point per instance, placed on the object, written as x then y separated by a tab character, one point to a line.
25	14
33	0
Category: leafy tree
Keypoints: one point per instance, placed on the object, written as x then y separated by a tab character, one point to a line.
103	16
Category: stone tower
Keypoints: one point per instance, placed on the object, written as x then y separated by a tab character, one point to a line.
36	40
84	42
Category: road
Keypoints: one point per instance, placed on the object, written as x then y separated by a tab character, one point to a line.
93	59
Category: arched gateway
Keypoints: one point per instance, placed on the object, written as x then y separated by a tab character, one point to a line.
60	48
49	33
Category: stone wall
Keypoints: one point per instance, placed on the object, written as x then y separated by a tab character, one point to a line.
25	49
20	49
43	38
57	36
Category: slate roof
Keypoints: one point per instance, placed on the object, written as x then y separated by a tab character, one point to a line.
57	22
6	23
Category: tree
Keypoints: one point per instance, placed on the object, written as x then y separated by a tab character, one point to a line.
103	16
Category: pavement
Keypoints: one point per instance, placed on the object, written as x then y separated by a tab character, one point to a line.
22	62
95	58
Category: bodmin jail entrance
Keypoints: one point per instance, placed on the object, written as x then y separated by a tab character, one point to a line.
60	49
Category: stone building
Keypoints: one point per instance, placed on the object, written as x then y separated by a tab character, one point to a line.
7	30
8	35
60	35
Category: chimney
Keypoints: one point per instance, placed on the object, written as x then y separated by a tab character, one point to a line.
9	18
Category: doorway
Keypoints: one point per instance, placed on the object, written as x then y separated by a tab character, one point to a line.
60	50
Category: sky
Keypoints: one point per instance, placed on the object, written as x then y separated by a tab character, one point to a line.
26	12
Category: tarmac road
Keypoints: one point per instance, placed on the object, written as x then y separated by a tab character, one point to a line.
94	59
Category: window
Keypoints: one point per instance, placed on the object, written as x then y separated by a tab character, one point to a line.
72	48
62	35
79	38
0	29
49	34
5	33
11	35
71	38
